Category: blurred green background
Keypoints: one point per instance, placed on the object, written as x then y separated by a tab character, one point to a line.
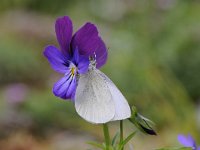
154	59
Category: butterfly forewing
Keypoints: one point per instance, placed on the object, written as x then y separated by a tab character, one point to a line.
93	100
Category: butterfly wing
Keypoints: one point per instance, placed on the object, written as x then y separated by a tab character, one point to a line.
93	100
122	109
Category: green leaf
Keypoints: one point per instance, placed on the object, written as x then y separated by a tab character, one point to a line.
95	144
127	140
114	140
176	148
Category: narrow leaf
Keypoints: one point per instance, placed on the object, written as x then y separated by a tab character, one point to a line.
96	145
114	140
127	140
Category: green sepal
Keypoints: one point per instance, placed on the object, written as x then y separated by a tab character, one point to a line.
143	124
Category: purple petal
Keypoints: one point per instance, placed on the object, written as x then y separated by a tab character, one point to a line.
83	64
186	141
101	54
75	58
64	29
56	59
198	148
88	42
65	87
72	88
190	138
61	86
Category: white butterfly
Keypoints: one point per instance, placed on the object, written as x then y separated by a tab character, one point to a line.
98	100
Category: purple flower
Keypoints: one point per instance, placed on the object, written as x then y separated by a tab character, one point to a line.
73	57
188	141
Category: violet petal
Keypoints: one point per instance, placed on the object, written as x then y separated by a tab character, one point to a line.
89	43
190	138
83	64
64	29
101	54
75	58
72	88
65	86
56	59
186	141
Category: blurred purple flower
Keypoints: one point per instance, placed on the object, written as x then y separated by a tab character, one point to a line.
188	141
73	59
16	93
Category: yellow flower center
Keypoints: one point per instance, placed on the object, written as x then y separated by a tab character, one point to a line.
73	70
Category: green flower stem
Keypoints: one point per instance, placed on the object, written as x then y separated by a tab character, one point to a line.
121	132
106	135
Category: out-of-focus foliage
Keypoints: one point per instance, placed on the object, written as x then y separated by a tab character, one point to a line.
48	6
19	63
154	58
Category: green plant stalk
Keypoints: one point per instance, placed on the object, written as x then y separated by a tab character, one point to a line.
121	133
106	136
